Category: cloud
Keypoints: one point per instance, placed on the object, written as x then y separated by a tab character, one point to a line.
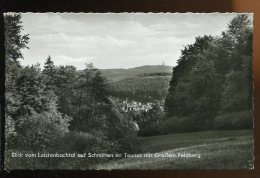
77	62
115	40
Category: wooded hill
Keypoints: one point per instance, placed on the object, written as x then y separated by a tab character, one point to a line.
145	83
114	75
144	89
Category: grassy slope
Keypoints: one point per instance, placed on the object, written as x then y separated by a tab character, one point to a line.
218	149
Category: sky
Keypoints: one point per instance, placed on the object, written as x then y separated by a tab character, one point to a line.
113	40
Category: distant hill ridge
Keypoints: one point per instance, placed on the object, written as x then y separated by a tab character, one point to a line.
114	75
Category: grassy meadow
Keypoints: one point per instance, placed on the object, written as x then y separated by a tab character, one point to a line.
218	150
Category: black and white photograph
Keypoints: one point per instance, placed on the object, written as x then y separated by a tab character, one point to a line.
128	91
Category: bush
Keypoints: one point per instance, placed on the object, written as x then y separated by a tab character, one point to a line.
176	124
39	132
72	142
84	142
150	129
234	120
10	133
81	142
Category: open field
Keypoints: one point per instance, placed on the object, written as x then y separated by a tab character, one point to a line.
217	149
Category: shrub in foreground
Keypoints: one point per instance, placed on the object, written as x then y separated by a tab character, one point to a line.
178	124
234	120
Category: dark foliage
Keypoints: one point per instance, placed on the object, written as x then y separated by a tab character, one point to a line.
59	109
148	88
213	76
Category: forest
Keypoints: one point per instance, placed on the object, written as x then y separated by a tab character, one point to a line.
211	87
58	109
144	89
61	109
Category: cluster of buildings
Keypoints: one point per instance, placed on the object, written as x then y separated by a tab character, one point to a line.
128	106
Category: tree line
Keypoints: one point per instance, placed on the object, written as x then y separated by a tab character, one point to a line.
58	109
148	88
211	85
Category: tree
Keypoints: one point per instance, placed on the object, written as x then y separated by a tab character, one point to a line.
42	131
14	42
49	73
119	129
37	118
213	76
149	125
174	103
99	88
90	100
237	90
83	99
29	106
14	39
204	92
30	89
65	81
41	105
49	68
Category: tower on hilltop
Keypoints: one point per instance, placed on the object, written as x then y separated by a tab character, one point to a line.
163	63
